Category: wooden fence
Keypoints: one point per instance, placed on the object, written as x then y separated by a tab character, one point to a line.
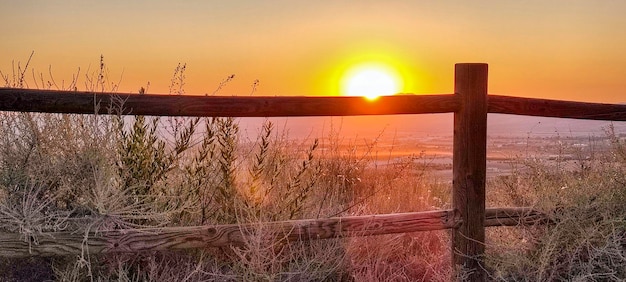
467	219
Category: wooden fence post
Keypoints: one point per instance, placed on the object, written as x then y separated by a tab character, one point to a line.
469	169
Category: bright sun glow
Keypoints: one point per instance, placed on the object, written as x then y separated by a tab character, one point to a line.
370	81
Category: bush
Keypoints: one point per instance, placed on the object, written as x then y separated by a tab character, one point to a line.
586	241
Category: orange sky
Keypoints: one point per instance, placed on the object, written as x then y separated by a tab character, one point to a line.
574	50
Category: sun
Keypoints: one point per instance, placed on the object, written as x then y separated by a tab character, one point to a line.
370	81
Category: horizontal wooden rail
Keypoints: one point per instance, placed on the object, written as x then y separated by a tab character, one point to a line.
68	243
51	101
72	102
555	108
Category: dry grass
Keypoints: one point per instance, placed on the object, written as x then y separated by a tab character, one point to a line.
585	200
141	179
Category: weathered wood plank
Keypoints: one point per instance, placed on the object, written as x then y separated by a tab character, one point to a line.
469	167
555	108
49	101
516	216
158	239
28	100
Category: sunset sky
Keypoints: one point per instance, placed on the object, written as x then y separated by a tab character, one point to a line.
574	50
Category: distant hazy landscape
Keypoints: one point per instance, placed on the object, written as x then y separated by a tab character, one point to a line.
412	126
393	139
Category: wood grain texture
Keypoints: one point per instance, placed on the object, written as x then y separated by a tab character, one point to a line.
469	167
555	108
160	239
26	100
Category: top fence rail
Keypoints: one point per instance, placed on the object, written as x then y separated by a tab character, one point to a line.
75	102
223	106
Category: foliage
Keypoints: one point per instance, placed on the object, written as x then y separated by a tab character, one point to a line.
586	240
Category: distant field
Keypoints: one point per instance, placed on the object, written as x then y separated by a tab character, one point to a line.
504	153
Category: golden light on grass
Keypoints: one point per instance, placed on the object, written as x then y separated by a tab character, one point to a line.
371	81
